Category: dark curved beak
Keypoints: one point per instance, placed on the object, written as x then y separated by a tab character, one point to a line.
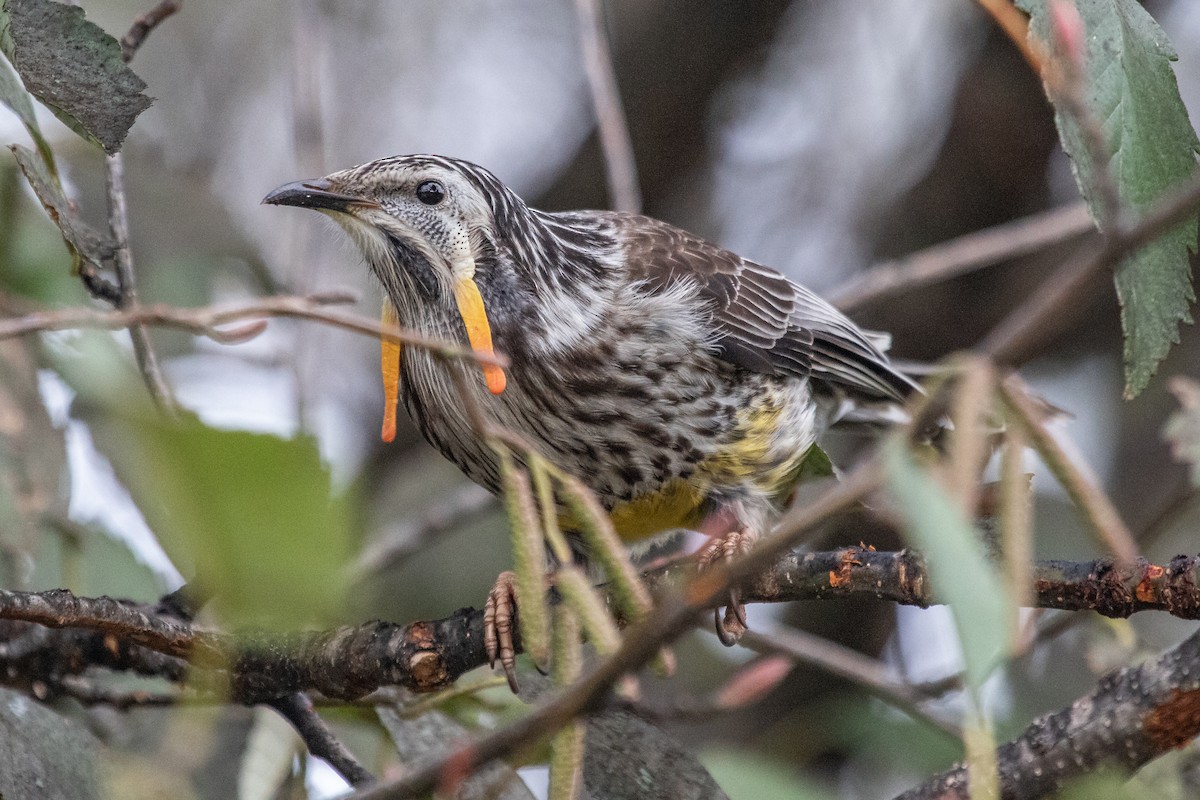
315	194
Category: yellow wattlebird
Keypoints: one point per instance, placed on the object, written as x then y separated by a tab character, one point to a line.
682	383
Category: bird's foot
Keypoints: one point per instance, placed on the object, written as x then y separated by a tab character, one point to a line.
499	613
720	550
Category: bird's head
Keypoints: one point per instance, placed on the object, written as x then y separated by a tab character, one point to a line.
427	226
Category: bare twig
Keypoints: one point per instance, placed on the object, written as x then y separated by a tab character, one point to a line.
408	535
207	321
852	665
59	608
963	255
1015	25
320	738
1014	339
619	161
1072	472
143	25
118	225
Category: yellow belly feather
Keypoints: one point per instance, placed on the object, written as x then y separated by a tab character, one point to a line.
747	460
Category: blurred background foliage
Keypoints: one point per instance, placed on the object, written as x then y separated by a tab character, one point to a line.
817	136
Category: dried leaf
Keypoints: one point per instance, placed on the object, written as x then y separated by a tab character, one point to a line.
83	241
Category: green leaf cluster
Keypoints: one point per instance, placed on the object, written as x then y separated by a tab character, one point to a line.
1130	91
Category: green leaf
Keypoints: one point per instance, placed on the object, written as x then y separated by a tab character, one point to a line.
815	464
254	516
13	95
74	68
1131	90
1182	430
961	573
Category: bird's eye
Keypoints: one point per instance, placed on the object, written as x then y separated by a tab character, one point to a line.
430	193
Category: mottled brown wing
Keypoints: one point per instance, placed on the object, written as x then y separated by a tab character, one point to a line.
764	321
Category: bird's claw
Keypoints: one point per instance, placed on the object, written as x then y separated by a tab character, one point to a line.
498	614
726	548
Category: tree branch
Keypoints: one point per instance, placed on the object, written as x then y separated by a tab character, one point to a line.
208	321
319	738
351	661
143	25
963	255
1132	716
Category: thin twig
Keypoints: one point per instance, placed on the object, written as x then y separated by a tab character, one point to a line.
320	739
619	162
963	255
143	25
118	226
1014	339
1015	25
839	660
406	536
207	321
1072	472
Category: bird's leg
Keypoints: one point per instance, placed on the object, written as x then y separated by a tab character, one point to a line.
498	614
728	539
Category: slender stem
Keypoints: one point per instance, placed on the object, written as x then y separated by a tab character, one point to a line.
1073	473
966	254
207	321
143	25
615	141
1015	338
118	225
839	660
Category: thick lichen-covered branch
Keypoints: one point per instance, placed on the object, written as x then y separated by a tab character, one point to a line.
351	661
1131	717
